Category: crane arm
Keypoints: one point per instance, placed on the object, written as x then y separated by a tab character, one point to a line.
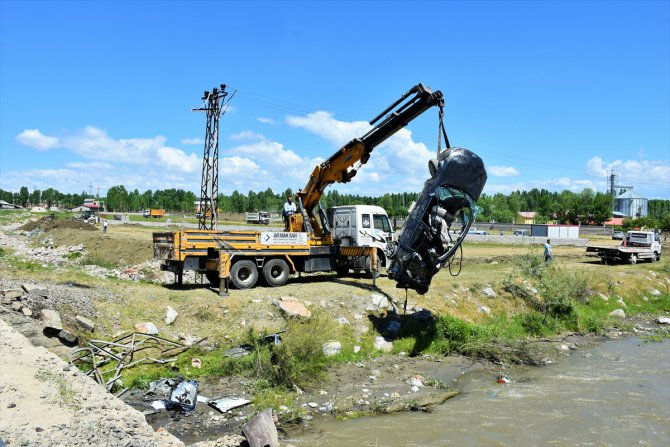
340	167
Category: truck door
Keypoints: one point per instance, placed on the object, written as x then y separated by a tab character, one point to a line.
382	227
364	235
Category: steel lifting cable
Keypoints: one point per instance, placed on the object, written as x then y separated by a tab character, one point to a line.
460	263
441	131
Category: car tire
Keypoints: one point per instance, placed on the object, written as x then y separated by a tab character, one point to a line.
244	274
276	272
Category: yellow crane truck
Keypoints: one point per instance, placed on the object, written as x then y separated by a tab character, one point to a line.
241	257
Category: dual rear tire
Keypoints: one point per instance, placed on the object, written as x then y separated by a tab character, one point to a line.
276	272
244	273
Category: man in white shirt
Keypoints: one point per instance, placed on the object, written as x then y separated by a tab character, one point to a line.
289	209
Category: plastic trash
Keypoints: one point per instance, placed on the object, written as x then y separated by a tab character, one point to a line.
502	379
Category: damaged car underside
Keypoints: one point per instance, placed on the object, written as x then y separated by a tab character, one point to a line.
447	202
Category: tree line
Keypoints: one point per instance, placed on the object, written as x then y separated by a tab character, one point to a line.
563	207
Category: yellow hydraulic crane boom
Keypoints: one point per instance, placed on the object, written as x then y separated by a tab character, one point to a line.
340	167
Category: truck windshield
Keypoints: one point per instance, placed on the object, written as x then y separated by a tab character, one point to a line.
381	222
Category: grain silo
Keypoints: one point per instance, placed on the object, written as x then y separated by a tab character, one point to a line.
630	204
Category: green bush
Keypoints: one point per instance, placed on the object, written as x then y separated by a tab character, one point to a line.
455	331
537	324
530	265
299	359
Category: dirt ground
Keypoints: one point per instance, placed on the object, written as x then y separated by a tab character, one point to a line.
376	383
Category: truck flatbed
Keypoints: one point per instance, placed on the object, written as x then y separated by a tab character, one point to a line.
637	246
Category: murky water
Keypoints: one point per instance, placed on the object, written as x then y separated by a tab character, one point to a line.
614	394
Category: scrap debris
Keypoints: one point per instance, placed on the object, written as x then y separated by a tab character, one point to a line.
183	396
105	360
228	403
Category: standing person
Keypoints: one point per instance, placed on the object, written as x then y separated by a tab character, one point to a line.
104	226
547	252
287	211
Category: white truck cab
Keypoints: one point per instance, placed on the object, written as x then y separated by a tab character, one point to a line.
362	226
643	239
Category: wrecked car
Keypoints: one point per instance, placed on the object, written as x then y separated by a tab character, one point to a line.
447	200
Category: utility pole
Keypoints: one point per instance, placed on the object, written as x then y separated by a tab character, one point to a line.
213	105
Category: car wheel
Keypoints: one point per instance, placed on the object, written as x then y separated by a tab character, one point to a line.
244	274
276	272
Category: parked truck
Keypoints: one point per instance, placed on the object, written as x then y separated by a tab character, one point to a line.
636	246
153	212
261	217
322	240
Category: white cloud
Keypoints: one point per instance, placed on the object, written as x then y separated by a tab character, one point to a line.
95	144
37	140
268	153
91	165
324	125
178	159
192	141
265	120
142	163
503	171
236	166
644	175
398	164
247	135
596	167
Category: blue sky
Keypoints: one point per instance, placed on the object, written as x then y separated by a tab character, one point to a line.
550	94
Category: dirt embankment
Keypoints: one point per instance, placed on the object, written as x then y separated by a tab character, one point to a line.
46	402
47	224
118	247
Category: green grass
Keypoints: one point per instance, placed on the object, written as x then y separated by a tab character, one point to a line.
27	266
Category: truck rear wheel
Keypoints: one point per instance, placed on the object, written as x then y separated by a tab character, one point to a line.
244	274
276	272
633	259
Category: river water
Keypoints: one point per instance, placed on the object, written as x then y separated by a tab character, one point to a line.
616	393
